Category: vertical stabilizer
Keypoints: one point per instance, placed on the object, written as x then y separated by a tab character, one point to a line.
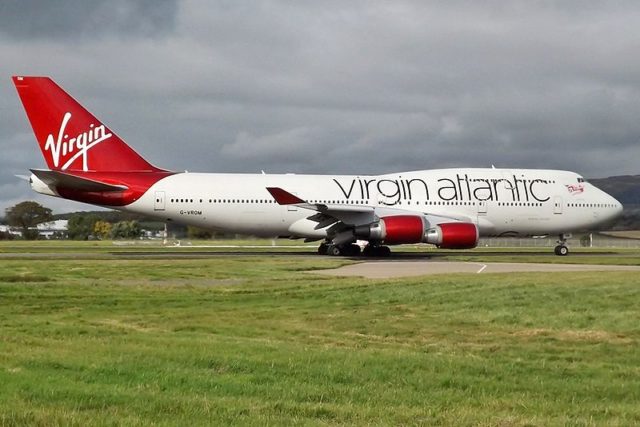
70	137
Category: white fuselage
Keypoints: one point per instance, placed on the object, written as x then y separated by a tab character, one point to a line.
502	202
449	208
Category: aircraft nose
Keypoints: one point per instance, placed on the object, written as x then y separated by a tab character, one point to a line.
617	208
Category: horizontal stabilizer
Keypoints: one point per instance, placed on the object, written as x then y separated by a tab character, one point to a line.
59	179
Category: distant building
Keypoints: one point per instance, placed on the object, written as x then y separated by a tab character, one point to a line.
54	230
151	234
9	230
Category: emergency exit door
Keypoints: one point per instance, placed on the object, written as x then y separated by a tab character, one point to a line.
158	204
557	205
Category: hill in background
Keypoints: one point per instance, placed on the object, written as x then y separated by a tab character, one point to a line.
625	188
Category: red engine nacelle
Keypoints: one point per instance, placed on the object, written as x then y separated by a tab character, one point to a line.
403	229
400	229
394	230
453	235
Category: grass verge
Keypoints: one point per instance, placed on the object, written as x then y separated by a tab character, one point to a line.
257	341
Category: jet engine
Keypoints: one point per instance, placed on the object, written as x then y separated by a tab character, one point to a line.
453	235
400	229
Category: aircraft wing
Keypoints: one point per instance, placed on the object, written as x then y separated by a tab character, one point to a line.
327	214
349	215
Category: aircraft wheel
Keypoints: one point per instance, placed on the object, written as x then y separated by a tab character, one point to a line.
561	250
353	250
384	251
376	251
322	249
334	250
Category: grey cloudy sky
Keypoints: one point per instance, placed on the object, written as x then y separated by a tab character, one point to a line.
334	87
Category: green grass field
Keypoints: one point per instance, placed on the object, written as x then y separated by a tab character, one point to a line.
258	341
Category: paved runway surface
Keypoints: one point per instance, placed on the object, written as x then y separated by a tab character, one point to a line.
393	269
226	251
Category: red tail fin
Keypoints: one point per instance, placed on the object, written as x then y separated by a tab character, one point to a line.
70	137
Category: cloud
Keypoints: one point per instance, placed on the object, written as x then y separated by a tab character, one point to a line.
71	19
334	87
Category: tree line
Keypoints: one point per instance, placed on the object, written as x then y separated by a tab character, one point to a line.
26	216
103	225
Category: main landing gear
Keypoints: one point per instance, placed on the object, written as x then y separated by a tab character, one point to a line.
376	251
562	249
351	249
322	249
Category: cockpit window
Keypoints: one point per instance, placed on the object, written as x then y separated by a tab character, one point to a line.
581	179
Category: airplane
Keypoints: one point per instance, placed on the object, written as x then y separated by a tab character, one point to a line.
448	208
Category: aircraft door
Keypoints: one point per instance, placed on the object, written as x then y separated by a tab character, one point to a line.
158	203
557	205
482	207
292	208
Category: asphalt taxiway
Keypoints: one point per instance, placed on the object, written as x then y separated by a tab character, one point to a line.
399	264
396	269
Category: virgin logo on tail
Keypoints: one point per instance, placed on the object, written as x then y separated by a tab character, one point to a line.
77	146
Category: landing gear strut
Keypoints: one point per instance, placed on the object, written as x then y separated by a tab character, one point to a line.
562	248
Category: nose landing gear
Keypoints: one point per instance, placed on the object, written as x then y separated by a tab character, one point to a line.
562	249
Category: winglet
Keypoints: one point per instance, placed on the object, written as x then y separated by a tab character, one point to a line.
283	197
